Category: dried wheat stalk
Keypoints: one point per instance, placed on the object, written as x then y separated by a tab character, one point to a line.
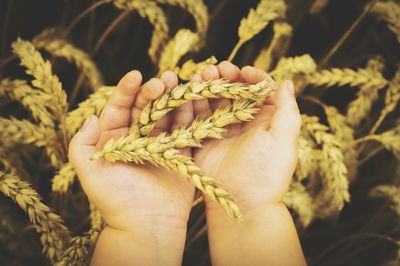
149	9
31	99
58	47
332	168
54	235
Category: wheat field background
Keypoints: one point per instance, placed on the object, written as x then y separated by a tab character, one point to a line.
59	61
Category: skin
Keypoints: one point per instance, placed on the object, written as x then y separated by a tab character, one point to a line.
146	208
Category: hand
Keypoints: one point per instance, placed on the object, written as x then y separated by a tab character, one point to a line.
256	160
145	201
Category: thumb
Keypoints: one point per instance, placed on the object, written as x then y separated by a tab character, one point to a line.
286	121
83	144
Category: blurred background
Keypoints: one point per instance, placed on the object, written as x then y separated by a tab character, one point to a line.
335	33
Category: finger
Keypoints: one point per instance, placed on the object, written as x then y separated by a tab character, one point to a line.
170	80
183	116
151	90
286	121
254	75
201	108
83	144
116	112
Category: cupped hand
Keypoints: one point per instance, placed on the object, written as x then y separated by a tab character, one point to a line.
256	160
128	195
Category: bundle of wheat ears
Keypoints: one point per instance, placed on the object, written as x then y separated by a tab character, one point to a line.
331	152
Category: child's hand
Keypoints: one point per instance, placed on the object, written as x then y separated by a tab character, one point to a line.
256	160
144	201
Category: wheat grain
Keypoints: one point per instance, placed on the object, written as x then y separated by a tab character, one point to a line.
305	161
149	9
31	99
61	48
189	68
298	199
24	132
183	42
390	193
389	11
332	168
277	48
96	220
44	78
154	111
93	105
53	232
64	179
257	19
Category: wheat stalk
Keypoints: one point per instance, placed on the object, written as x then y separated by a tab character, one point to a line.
389	11
61	48
31	99
93	105
257	19
298	199
44	78
149	9
64	179
333	170
189	68
154	111
182	43
53	232
389	192
277	48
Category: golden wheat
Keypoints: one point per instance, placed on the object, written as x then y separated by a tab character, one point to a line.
64	179
390	193
53	232
61	48
277	48
183	42
154	111
389	11
93	105
189	68
298	199
257	19
44	78
332	168
389	139
149	9
289	67
31	99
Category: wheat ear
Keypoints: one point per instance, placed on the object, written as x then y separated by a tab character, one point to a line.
389	11
389	192
277	48
150	10
289	67
31	99
154	111
44	78
257	19
183	42
333	170
63	180
61	48
93	105
54	235
299	200
189	68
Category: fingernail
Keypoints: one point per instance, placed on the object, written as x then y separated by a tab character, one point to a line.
87	123
289	86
